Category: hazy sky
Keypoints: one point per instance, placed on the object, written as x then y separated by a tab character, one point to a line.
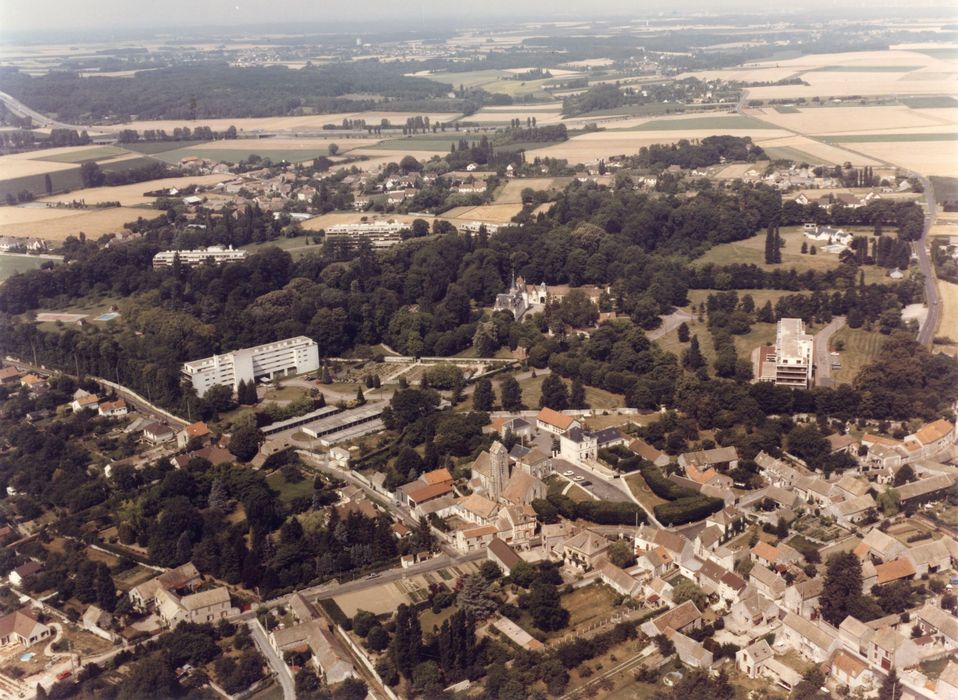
69	16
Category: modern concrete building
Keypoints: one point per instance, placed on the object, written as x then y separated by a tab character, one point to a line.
216	255
379	234
272	360
790	362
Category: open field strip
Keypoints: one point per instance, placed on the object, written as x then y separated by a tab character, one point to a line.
93	222
12	264
604	144
493	213
718	122
15	166
861	348
98	153
133	195
833	120
740	169
926	157
818	152
285	124
950	133
948	323
511	192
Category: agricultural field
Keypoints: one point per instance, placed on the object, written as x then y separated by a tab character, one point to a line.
12	264
97	153
804	149
431	143
926	157
861	349
56	225
511	192
854	119
493	213
133	195
544	114
948	323
720	123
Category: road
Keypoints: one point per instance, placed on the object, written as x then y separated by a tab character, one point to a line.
279	667
673	320
20	109
926	333
823	358
603	489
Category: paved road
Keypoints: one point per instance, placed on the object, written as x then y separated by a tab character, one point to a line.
20	109
928	327
603	489
673	320
279	667
823	358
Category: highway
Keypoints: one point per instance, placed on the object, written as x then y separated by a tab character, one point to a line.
20	109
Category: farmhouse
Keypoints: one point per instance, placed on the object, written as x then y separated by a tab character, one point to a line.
21	627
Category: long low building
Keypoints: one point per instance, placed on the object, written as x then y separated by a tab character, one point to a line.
271	360
345	420
216	255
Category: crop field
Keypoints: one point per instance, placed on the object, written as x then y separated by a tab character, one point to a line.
133	195
150	147
12	264
308	123
98	153
719	123
861	348
93	222
937	102
605	144
854	119
802	148
892	138
948	323
511	192
439	143
493	213
786	109
926	157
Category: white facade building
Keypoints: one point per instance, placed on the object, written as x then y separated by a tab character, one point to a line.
216	255
379	234
794	354
290	356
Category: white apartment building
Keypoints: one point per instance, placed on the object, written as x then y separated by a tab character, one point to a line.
380	234
217	255
794	354
272	360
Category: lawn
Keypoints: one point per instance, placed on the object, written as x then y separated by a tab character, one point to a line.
760	334
640	489
596	398
861	348
589	605
802	545
12	264
752	250
151	147
288	491
578	494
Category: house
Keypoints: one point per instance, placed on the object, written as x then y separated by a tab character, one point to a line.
33	383
644	450
813	641
9	375
678	547
655	562
502	555
731	587
22	572
684	617
879	546
729	519
851	671
428	487
853	510
895	570
658	592
813	489
98	622
802	598
578	445
752	658
477	509
887	648
767	582
842	443
930	489
22	627
929	557
523	488
198	431
690	652
939	623
850	486
933	437
719	458
771	555
84	401
751	611
470	539
708	476
202	607
583	550
616	578
855	635
948	682
555	422
519	427
211	453
157	433
181	579
113	409
327	654
518	635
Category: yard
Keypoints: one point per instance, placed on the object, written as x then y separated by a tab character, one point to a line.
596	398
861	348
640	489
290	491
589	606
12	264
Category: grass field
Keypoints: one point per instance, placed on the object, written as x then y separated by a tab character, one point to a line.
288	491
149	147
640	489
133	195
885	138
596	398
786	109
12	264
711	122
948	323
752	250
589	604
230	155
441	143
861	348
94	153
936	102
93	222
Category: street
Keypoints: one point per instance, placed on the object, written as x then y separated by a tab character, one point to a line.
279	667
823	358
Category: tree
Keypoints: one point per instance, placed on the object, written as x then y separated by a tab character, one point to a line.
409	464
781	529
807	443
510	394
245	442
891	687
577	395
686	590
889	501
149	677
351	689
48	188
683	332
544	606
333	149
377	639
842	586
692	358
360	399
904	475
483	397
554	393
474	598
407	643
622	554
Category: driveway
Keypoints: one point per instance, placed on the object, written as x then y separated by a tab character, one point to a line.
279	667
823	358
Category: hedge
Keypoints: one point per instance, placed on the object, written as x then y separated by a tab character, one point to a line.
687	510
663	487
599	512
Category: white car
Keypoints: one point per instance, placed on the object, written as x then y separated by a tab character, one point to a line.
578	478
568	472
